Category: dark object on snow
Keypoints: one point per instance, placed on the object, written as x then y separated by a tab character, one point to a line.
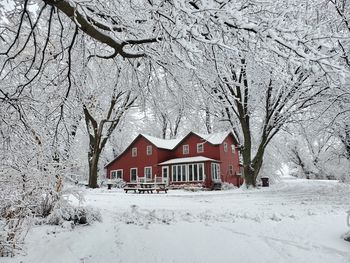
216	186
109	185
76	219
265	181
82	220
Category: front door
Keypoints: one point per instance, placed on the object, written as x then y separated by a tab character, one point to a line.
165	174
133	174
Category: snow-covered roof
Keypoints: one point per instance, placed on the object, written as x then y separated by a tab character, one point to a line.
214	138
162	143
188	160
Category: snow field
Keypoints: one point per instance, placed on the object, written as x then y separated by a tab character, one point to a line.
292	221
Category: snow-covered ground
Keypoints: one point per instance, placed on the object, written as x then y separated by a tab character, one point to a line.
291	221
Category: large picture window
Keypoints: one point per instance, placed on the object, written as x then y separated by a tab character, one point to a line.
188	172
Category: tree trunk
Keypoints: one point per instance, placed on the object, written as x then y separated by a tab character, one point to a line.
93	168
249	176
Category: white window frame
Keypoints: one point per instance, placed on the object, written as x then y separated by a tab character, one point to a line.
149	150
134	152
200	145
225	147
134	168
233	148
165	179
215	171
145	173
185	168
116	174
230	169
185	149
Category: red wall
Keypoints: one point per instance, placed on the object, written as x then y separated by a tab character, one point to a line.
126	161
210	151
228	158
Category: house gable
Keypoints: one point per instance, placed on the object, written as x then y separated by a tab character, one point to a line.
192	140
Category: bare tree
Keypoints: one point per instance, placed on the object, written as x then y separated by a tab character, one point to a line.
100	132
272	104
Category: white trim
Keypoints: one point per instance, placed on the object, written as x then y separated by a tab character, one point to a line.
134	152
134	168
149	149
225	147
195	159
145	174
200	144
185	146
216	170
233	148
116	174
230	171
165	180
185	168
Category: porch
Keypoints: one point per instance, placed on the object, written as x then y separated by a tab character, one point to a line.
191	170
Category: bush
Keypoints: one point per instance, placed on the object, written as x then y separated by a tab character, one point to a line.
78	215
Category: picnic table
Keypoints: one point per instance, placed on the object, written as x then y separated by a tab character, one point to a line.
131	187
145	187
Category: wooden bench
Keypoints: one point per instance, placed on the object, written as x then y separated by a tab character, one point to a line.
130	187
148	190
146	187
161	187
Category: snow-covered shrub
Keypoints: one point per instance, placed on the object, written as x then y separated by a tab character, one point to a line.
78	215
228	186
193	187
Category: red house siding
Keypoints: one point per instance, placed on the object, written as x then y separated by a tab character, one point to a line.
212	151
229	158
142	160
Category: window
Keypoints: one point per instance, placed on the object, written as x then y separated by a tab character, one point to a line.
233	148
148	172
225	147
200	147
149	149
188	172
134	152
117	174
215	171
230	169
186	149
133	174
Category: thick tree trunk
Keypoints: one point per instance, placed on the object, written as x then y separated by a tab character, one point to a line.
249	176
251	170
93	168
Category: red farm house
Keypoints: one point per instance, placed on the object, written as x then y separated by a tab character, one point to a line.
194	159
